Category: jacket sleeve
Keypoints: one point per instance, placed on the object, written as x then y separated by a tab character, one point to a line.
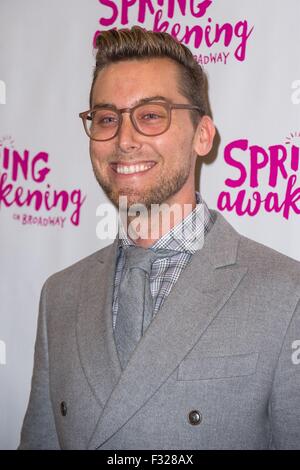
285	398
38	431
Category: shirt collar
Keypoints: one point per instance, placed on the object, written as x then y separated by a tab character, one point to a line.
187	236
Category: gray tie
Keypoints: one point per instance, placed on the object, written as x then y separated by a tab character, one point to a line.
135	303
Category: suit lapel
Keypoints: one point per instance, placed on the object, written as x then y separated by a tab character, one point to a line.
96	347
201	291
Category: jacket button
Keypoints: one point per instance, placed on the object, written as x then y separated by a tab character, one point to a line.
195	417
63	408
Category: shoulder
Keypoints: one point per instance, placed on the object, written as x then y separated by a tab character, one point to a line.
268	265
267	268
69	279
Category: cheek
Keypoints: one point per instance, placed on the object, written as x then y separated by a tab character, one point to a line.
179	138
176	149
93	150
98	152
167	145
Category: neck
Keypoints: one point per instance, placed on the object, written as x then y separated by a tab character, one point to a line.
149	226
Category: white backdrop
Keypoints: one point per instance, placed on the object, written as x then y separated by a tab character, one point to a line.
46	61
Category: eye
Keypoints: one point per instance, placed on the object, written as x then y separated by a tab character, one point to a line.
150	116
105	119
108	120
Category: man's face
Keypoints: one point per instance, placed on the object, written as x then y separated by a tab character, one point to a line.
169	157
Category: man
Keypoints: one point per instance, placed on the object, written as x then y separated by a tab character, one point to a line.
155	342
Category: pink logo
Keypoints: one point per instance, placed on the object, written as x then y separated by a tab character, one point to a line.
205	33
266	168
23	184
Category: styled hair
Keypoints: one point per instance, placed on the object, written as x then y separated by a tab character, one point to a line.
117	45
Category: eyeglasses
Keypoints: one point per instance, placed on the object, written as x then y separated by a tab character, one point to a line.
151	119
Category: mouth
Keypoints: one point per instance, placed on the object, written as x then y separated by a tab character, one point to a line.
134	168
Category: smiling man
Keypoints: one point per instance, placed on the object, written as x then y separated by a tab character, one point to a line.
166	163
163	341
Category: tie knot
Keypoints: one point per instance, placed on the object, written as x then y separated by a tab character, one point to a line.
137	257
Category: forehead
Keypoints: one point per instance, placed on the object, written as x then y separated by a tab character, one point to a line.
124	83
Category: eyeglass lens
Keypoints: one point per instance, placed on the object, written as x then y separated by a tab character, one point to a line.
150	119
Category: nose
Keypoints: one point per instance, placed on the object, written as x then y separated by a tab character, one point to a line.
128	136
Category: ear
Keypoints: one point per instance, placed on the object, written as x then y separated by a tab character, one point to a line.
204	136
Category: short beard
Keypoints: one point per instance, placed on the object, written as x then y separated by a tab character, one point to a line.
158	194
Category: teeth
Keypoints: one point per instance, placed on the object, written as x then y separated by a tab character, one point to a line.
125	170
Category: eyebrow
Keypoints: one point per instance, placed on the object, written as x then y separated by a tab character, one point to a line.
140	101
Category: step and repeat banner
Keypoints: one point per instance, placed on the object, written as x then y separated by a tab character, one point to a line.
48	194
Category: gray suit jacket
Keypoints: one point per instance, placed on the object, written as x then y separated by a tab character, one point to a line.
223	344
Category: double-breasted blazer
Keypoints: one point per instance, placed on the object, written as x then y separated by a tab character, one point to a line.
218	367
